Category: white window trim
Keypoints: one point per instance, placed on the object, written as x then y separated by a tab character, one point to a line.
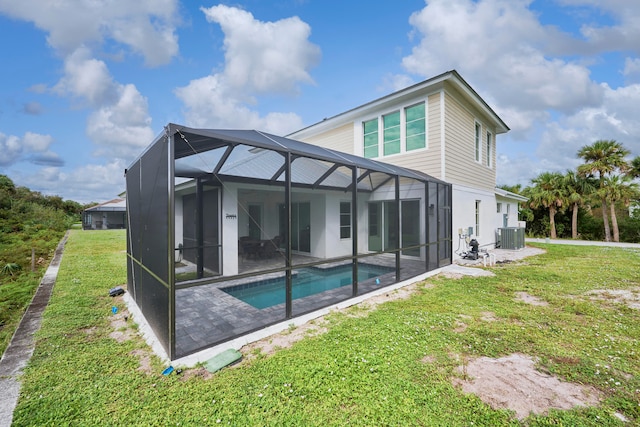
477	144
477	214
403	130
489	143
350	220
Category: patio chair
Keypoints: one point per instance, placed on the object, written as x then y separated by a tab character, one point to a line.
269	248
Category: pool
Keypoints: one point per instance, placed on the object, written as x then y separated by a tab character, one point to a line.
307	281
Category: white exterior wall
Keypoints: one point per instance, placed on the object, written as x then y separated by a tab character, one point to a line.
464	210
178	226
337	246
229	229
509	208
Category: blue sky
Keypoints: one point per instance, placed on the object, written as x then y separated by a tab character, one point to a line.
86	86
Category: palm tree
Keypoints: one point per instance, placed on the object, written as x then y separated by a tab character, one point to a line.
577	191
634	169
603	158
619	188
547	191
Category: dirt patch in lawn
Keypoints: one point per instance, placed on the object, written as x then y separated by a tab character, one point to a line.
629	297
513	383
530	299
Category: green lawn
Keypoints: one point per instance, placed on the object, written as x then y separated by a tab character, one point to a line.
366	370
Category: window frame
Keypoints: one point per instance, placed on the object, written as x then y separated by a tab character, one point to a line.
489	147
477	141
381	146
390	129
424	128
375	120
477	217
344	216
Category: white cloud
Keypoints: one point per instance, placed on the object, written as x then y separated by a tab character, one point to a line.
632	68
260	58
265	57
91	182
88	78
14	149
502	48
120	124
622	35
121	129
147	27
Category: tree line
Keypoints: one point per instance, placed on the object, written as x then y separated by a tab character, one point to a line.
590	198
31	225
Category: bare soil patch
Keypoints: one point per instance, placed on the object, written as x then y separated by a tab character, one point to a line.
513	383
145	361
629	297
530	299
122	332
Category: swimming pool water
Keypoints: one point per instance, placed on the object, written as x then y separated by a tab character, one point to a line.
307	281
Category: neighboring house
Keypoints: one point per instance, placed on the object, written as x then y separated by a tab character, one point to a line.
440	127
107	215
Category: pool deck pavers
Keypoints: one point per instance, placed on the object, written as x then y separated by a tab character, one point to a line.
206	315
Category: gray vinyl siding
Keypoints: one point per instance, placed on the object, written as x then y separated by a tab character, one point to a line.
460	165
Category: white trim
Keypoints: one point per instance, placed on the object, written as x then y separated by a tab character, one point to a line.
443	150
489	143
477	141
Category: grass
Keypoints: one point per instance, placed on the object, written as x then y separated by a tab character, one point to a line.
365	370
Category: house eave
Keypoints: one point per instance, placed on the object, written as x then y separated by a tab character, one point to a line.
425	87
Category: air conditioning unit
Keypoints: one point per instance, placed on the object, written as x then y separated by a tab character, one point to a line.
510	238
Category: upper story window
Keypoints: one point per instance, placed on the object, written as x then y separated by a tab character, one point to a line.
396	132
499	208
391	133
489	146
415	127
370	130
478	142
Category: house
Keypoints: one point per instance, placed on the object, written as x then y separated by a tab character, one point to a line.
107	215
440	127
231	231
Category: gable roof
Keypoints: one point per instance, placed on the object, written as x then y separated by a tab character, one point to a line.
452	77
112	205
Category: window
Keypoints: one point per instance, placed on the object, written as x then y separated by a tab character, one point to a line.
478	138
370	129
391	133
477	218
398	132
415	127
499	207
489	149
345	220
508	208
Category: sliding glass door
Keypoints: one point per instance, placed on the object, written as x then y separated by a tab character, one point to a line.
383	217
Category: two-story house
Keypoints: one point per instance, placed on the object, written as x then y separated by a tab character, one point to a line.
441	127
